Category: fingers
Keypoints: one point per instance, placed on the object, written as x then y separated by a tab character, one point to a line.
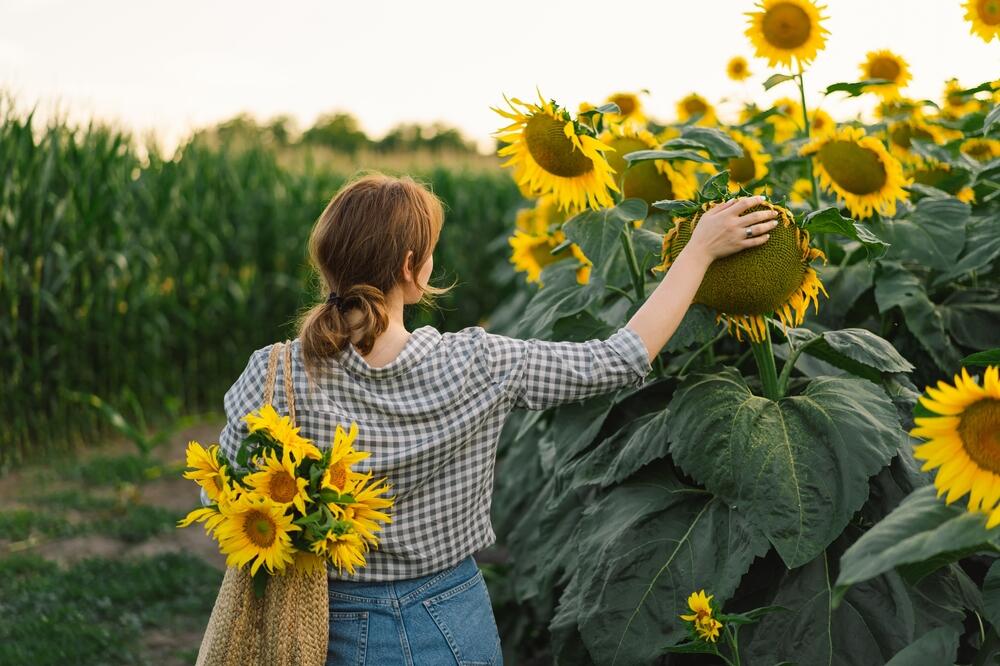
746	203
754	241
756	217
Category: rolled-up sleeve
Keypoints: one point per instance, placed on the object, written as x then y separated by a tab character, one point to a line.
244	396
539	373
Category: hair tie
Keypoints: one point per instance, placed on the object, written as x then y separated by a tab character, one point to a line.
333	299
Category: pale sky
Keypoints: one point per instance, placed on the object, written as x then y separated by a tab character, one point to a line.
172	66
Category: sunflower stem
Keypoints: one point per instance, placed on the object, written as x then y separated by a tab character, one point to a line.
633	264
800	81
764	355
793	357
733	645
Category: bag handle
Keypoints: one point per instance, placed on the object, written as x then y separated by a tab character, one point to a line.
272	366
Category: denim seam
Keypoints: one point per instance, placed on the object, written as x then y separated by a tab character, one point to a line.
406	598
362	600
404	641
452	591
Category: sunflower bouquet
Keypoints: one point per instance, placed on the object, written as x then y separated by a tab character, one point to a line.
292	507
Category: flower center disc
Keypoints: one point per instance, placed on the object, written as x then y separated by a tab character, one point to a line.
989	11
902	135
758	280
338	476
625	102
979	429
259	528
551	148
283	487
694	106
643	180
741	169
884	68
856	169
786	25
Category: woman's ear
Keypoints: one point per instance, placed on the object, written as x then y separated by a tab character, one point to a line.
408	268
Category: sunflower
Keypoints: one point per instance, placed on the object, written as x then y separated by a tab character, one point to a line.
536	234
984	15
281	430
631	109
821	123
801	191
981	149
255	528
365	513
583	270
344	549
737	68
694	106
884	64
552	153
859	169
706	625
338	475
902	133
205	469
901	106
966	195
750	166
957	103
963	440
787	122
306	562
787	31
540	218
277	480
745	287
650	180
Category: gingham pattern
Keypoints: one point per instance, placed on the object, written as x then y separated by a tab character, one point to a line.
431	419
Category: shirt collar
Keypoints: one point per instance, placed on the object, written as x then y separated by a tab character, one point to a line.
421	341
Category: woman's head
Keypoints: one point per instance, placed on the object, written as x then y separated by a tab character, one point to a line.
373	243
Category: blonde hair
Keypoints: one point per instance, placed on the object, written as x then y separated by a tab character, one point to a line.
357	248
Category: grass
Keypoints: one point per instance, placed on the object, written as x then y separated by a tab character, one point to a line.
95	611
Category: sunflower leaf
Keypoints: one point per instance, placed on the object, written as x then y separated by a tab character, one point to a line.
939	646
922	530
991	119
597	232
718	144
933	234
646	155
716	187
796	468
677	206
830	221
984	358
856	350
775	79
855	88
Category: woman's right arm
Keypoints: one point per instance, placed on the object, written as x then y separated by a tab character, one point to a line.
720	232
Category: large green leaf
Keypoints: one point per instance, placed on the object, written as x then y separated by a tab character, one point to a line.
648	246
719	144
648	545
922	534
830	221
933	235
855	350
897	287
598	232
938	646
647	155
985	358
982	247
797	468
696	328
972	317
991	594
560	296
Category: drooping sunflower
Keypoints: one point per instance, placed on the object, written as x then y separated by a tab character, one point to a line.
737	68
338	475
694	105
981	149
278	481
650	180
940	175
963	440
552	154
255	528
884	64
787	31
750	166
901	134
631	109
205	469
984	17
744	288
344	549
902	106
859	170
281	429
705	625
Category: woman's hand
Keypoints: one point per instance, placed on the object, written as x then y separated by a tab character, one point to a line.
722	230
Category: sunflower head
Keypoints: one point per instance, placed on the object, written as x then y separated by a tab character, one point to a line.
744	288
650	180
748	167
343	548
630	107
787	31
981	149
551	153
706	626
339	474
984	18
254	529
278	480
859	170
737	68
697	108
963	440
205	468
884	64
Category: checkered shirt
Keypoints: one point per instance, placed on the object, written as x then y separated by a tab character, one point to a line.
431	419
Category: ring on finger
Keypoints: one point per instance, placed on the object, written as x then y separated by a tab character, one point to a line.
749	231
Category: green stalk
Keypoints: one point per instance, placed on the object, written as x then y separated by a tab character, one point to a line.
763	354
633	264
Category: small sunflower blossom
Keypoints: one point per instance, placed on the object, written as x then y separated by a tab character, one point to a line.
706	626
281	430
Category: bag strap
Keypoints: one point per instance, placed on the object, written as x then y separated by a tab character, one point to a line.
272	366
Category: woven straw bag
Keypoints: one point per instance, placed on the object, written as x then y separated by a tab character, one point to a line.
289	625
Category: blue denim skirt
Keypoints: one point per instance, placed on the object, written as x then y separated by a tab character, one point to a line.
440	618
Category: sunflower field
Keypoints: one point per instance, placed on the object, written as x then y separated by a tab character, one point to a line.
811	473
